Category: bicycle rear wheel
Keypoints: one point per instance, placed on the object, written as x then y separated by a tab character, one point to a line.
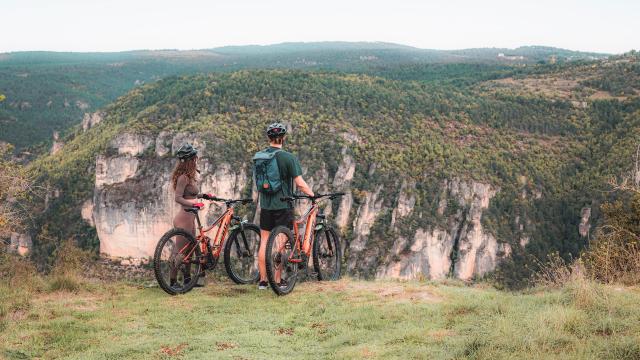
176	262
327	256
241	254
280	248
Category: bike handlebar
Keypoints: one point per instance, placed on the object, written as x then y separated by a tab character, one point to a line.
312	198
231	201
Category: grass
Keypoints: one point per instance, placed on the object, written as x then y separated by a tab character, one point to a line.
342	320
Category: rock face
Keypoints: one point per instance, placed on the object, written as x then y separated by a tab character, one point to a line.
20	243
90	119
585	224
133	202
462	248
57	144
133	206
342	182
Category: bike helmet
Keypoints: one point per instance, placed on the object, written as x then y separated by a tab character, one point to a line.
186	151
276	130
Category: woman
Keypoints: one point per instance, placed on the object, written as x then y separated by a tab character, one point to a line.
185	185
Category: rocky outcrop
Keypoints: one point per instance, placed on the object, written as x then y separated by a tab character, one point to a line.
87	212
585	223
132	144
462	248
133	202
406	202
57	144
113	170
342	182
89	120
20	243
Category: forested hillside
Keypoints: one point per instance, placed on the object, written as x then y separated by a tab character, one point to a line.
49	92
542	141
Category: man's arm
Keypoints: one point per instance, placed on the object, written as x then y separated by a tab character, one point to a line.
302	185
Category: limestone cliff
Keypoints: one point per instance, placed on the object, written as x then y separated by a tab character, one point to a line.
133	201
459	247
133	206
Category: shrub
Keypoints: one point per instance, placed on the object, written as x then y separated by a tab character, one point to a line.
557	272
64	282
614	254
70	259
17	272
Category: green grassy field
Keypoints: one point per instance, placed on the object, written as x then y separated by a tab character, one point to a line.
342	320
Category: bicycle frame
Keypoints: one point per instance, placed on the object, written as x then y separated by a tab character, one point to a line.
223	220
305	243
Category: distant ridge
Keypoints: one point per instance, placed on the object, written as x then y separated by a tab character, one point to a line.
287	47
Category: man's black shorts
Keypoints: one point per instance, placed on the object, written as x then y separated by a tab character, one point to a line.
269	219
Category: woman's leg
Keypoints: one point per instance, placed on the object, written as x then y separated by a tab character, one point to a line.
184	221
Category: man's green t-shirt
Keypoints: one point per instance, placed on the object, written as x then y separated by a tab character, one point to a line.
289	167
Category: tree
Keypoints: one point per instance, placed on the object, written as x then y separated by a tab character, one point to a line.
13	186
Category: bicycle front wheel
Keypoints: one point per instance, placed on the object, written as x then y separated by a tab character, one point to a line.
176	262
327	256
282	268
241	254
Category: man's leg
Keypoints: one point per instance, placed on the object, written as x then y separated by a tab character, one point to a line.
262	254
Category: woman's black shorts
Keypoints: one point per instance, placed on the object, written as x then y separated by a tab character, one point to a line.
269	219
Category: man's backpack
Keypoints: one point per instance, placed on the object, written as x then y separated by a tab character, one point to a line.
266	173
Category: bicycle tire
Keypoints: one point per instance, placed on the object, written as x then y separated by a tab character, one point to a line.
280	230
333	240
157	262
233	239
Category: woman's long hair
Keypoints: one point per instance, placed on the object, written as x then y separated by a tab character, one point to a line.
186	167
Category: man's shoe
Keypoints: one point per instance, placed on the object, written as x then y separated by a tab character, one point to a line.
262	285
283	283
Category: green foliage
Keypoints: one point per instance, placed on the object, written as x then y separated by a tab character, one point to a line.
556	154
49	92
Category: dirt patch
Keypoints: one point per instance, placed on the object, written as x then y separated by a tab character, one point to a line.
320	327
173	351
367	354
441	334
222	346
17	315
73	301
284	331
391	291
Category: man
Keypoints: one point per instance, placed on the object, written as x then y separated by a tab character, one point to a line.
272	186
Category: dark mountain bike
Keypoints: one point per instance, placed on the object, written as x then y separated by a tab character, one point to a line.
180	258
288	252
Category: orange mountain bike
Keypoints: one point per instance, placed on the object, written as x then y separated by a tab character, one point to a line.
288	252
180	258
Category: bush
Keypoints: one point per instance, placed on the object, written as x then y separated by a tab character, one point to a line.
71	260
64	282
557	272
614	254
17	272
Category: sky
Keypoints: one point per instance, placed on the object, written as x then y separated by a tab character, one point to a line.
611	26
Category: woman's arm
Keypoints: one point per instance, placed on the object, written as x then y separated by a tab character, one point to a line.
183	181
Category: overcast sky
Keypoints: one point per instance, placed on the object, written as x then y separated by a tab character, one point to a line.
611	26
